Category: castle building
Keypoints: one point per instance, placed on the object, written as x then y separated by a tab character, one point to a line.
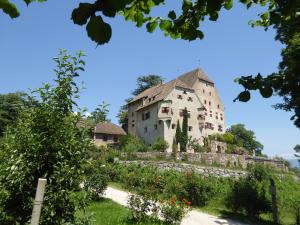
154	113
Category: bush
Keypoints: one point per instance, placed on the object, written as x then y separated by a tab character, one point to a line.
195	145
140	207
249	194
198	189
174	210
131	143
96	181
160	145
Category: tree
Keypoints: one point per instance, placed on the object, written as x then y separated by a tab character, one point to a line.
285	19
143	83
100	113
245	138
284	16
178	133
10	107
123	114
297	150
46	143
184	134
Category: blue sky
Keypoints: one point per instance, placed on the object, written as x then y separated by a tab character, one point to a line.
231	48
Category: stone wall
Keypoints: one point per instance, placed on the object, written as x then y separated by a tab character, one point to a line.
217	146
226	160
181	167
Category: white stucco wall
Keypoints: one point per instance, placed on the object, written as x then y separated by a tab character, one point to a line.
215	110
177	105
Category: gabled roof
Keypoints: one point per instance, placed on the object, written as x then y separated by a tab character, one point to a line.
109	128
191	77
159	92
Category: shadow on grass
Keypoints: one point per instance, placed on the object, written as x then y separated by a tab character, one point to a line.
243	218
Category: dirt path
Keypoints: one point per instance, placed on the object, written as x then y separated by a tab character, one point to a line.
194	217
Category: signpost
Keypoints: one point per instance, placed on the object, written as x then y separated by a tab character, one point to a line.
39	197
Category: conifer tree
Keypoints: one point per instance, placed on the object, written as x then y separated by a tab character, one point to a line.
184	133
178	133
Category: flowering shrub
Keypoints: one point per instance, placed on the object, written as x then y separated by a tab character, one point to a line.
140	207
171	211
174	210
198	189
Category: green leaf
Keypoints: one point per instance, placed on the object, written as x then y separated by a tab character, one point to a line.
264	16
30	1
172	15
165	24
81	14
266	91
228	4
108	7
243	96
151	26
9	8
98	30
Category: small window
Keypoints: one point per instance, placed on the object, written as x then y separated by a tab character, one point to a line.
203	91
217	117
173	126
179	96
165	110
115	139
210	115
209	93
190	128
160	122
190	99
184	92
180	112
221	118
218	106
155	126
132	114
145	116
145	129
132	125
209	103
205	102
220	128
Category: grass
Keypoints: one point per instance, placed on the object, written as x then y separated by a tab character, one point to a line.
107	212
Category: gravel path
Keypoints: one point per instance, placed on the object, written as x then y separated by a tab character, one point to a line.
194	217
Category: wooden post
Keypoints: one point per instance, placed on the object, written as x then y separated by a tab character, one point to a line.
298	217
274	202
39	197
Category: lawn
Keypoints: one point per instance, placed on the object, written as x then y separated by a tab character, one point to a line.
107	212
